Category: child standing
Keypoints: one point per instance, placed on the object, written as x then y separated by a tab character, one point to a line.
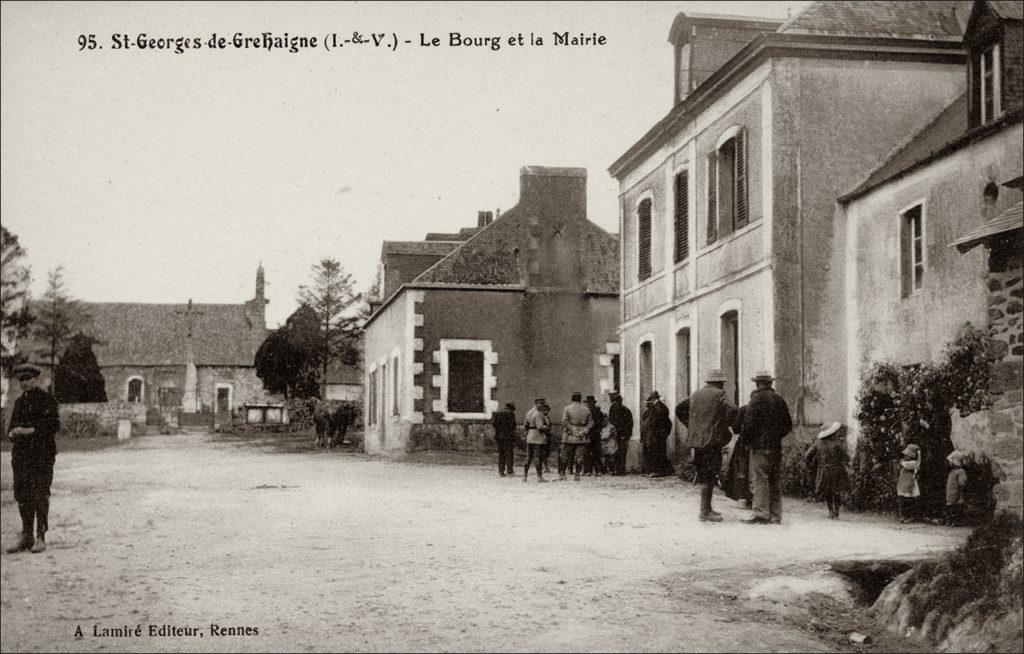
829	455
907	488
956	483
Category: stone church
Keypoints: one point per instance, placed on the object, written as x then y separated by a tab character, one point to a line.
182	361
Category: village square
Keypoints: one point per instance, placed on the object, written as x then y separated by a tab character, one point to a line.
774	404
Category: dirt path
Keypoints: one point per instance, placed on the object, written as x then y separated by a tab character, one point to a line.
337	551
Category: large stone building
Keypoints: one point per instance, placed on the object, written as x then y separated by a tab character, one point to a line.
933	238
729	243
523	305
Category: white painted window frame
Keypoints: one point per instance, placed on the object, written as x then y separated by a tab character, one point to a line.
440	356
923	203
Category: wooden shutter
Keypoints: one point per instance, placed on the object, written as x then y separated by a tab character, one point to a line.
682	216
712	197
906	267
741	178
644	241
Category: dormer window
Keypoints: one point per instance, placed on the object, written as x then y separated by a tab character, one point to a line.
987	86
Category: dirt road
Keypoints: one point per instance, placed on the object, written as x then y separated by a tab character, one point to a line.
333	551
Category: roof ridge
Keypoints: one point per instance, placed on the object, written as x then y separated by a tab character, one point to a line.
797	15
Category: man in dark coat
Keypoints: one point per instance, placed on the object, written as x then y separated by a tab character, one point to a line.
766	423
655	426
593	465
504	422
34	423
622	419
707	414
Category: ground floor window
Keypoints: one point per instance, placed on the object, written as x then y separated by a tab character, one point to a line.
135	389
465	381
730	346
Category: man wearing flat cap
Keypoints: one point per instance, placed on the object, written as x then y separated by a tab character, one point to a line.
34	423
765	424
707	415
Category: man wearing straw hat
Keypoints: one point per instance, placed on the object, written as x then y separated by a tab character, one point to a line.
707	415
765	424
35	421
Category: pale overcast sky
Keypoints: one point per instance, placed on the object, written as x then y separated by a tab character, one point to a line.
159	177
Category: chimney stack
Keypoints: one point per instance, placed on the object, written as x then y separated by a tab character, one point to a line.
484	218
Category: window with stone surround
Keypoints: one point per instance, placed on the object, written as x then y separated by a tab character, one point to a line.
467	381
135	389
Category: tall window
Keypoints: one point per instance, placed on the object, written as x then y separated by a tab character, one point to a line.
646	369
913	252
727	187
643	215
371	400
465	381
617	372
987	84
682	221
135	389
682	364
731	354
394	386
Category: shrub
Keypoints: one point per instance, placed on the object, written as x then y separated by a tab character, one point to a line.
898	405
79	425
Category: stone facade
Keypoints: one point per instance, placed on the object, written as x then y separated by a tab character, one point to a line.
108	414
1006	296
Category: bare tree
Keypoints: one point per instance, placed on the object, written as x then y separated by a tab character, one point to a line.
334	301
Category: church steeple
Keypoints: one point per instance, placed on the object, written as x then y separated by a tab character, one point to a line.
260	285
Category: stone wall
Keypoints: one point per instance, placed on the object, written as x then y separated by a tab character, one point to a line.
108	413
1006	296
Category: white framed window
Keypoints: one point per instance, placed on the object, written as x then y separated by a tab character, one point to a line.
988	85
467	380
913	252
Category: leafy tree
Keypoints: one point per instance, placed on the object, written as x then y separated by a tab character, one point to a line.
332	298
58	316
77	377
15	317
286	361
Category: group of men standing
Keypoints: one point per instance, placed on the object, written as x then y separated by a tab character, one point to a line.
708	415
593	443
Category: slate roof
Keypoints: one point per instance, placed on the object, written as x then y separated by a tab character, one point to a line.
1008	9
944	134
884	18
1009	220
139	334
432	248
490	258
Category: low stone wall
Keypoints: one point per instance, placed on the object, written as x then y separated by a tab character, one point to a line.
108	413
999	433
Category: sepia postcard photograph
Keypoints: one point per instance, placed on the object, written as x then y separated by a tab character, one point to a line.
571	326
